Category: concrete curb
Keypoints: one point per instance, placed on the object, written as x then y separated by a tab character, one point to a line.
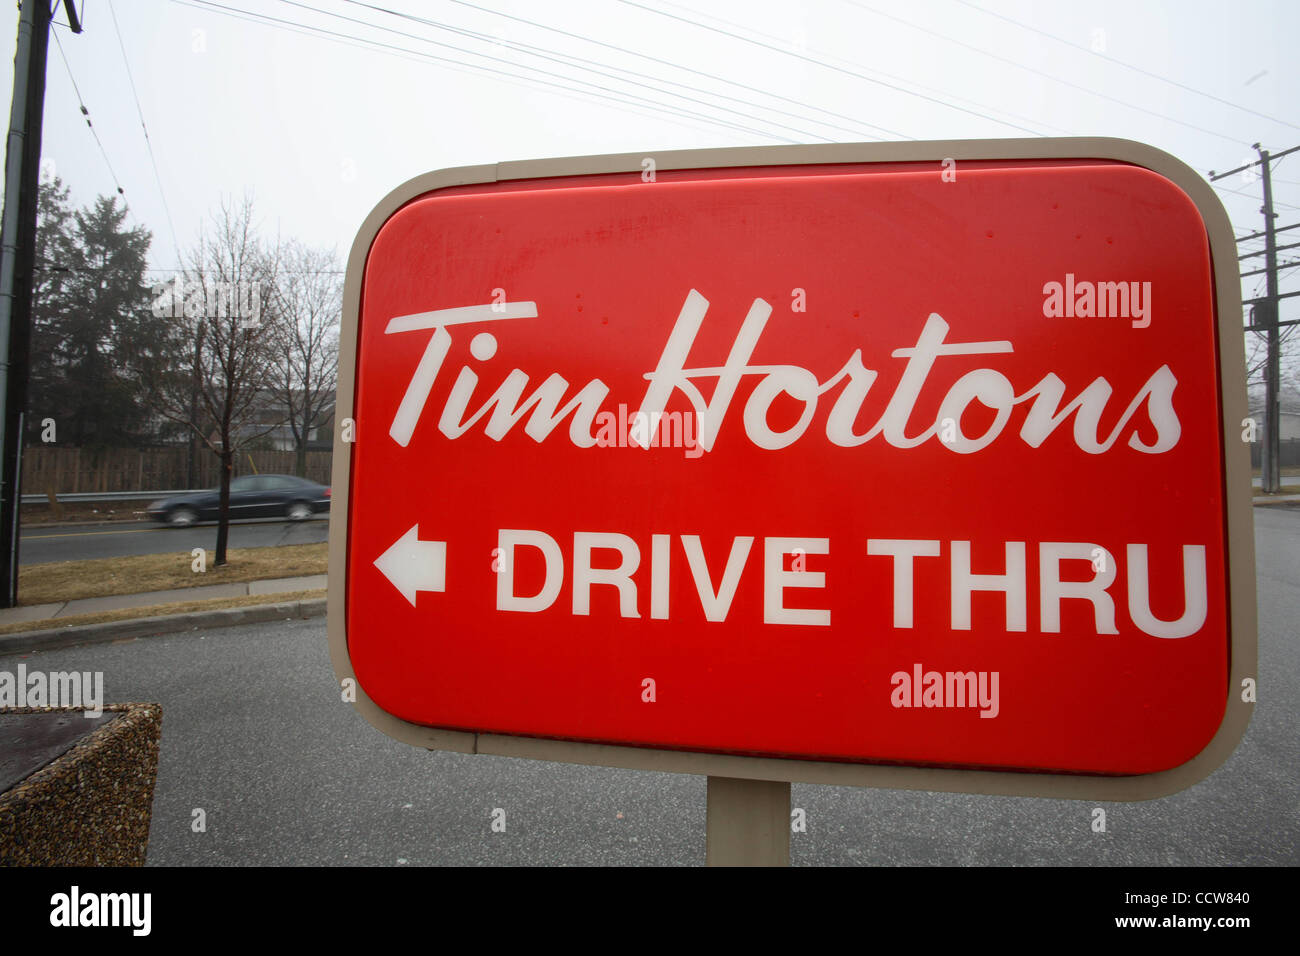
27	641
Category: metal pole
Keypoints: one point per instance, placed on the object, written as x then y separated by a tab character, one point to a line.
1272	379
747	822
17	262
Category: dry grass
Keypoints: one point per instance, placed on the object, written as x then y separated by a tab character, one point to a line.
100	577
85	512
180	607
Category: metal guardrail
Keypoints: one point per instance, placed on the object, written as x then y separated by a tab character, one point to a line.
93	496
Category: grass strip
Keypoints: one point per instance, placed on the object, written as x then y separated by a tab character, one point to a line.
101	577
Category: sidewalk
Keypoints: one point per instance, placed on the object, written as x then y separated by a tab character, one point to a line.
53	612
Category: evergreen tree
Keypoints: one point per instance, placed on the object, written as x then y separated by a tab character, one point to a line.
50	304
94	329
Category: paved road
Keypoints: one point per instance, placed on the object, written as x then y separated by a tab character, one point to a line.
255	734
120	538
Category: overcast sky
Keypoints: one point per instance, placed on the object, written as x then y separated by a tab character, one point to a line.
299	104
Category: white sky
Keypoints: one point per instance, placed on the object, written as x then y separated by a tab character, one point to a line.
319	129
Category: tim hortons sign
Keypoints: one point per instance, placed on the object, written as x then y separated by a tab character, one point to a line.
906	465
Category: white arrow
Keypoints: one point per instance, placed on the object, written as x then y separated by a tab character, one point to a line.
413	565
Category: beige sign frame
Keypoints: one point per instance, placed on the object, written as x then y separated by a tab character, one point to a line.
1236	470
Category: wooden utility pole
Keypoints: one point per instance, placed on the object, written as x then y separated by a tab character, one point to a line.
1272	385
1264	317
17	259
17	266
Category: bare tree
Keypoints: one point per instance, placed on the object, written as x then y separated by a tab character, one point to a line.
223	337
308	301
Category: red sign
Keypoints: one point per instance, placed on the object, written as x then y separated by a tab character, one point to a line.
906	463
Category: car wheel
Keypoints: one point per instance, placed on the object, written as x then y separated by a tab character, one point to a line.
299	511
182	517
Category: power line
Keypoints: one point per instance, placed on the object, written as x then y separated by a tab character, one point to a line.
530	52
619	97
677	66
1251	255
1038	72
1241	192
516	65
460	65
1257	235
892	76
285	272
51	267
86	113
1254	162
1127	66
140	110
247	17
826	65
1280	266
559	57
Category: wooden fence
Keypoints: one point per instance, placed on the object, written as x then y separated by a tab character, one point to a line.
71	470
1288	452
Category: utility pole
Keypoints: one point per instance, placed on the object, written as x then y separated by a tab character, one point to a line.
1264	317
1272	402
17	266
17	259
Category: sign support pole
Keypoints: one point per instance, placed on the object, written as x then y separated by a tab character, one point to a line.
747	822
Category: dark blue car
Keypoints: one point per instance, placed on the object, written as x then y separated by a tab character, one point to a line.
251	496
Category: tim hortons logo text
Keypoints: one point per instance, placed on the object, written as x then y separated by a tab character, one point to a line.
507	406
